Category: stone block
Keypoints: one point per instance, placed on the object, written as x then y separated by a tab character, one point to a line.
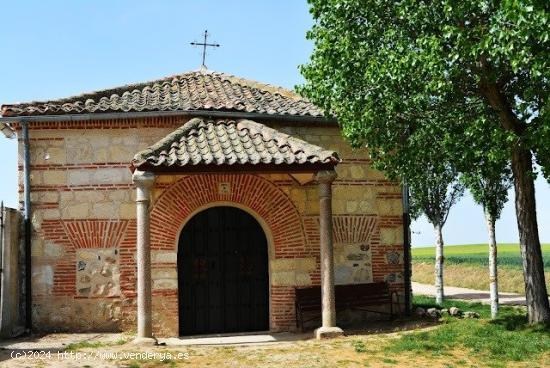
161	256
79	177
53	250
391	236
101	155
302	279
37	246
164	273
390	207
97	273
87	255
56	155
293	264
339	206
76	211
164	278
79	150
67	314
368	206
312	207
343	171
91	196
111	176
290	278
42	278
67	196
165	284
119	195
127	211
104	210
342	274
122	153
357	172
298	195
353	263
352	207
36	220
46	196
35	176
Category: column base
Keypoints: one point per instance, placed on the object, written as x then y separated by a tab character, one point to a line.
328	332
145	341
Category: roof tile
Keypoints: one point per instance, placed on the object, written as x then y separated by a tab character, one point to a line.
197	90
230	142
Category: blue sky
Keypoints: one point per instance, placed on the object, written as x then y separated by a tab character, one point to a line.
59	48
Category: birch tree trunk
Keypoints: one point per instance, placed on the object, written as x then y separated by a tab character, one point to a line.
493	276
439	259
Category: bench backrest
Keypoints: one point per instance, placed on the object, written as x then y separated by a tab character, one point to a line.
309	295
372	290
345	293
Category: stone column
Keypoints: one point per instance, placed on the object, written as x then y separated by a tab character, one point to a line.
143	182
328	328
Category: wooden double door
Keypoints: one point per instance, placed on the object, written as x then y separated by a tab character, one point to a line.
223	273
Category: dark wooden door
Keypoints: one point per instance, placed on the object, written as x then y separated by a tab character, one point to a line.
222	273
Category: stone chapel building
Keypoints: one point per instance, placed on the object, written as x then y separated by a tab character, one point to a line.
197	203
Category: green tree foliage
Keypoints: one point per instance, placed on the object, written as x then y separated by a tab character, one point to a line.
434	189
396	71
489	179
489	186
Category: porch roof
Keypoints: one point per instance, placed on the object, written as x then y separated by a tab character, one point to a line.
203	145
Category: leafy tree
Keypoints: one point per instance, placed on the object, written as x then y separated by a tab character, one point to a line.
424	159
489	183
386	67
434	190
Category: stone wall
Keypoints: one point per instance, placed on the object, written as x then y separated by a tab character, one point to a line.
83	243
11	281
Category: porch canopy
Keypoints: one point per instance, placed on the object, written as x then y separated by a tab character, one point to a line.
205	145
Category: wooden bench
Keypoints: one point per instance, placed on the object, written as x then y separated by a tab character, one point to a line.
355	297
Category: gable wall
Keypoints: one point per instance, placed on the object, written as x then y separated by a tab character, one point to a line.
83	244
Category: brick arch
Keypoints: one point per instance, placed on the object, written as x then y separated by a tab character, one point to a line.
261	196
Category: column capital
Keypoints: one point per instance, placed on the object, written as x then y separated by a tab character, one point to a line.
143	179
325	176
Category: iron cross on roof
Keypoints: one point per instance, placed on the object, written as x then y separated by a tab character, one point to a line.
204	44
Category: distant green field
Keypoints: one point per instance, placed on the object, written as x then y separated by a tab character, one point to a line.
477	254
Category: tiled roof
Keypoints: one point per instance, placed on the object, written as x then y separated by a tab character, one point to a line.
229	142
197	90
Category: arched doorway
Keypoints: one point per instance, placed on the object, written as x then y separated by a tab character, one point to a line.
223	273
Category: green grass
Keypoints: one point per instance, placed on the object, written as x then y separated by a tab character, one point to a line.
93	344
506	339
359	346
84	345
477	254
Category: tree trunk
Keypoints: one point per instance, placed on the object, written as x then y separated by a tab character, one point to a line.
493	278
538	308
438	265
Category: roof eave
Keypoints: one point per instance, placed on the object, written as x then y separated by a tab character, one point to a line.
146	114
237	168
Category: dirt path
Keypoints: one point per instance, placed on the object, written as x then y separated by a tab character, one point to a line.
283	350
471	295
